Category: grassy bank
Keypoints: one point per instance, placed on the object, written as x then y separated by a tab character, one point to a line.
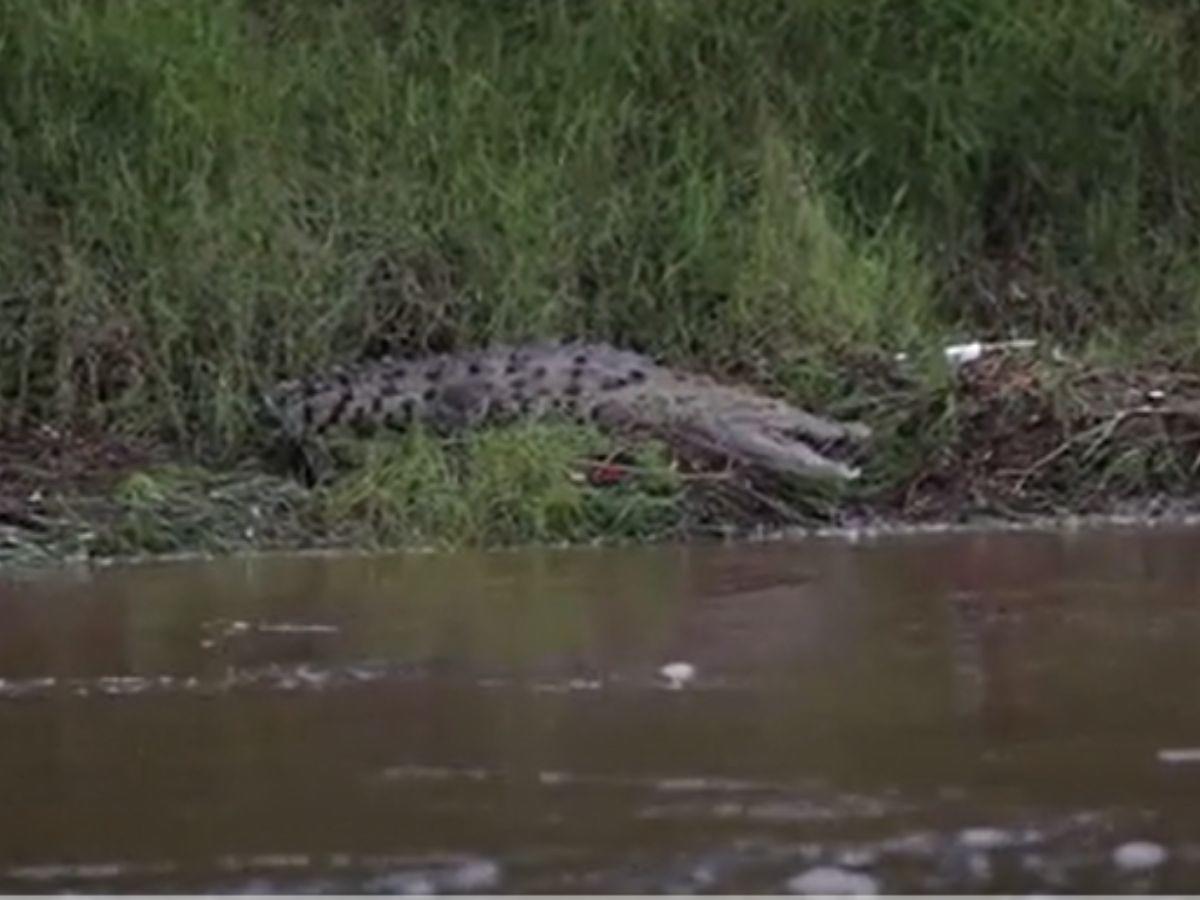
201	197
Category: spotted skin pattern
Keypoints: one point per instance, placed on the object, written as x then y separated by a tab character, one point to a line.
617	389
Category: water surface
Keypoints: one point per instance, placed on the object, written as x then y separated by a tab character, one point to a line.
1015	712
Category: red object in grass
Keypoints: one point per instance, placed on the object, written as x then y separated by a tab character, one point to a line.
603	474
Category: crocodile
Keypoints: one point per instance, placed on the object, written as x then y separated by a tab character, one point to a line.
618	390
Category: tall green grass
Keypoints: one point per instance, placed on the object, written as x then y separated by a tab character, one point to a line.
199	197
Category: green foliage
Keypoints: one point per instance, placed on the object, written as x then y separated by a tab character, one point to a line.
517	485
1060	136
522	484
201	197
180	509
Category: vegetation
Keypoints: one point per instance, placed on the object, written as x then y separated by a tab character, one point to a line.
201	197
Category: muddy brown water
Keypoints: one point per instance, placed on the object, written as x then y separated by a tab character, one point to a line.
957	712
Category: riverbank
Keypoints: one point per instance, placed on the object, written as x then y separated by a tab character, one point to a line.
1007	440
203	199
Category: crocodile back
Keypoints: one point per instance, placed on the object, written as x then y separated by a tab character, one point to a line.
617	389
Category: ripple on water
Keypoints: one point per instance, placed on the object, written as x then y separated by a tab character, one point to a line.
985	838
68	873
1136	856
833	880
458	875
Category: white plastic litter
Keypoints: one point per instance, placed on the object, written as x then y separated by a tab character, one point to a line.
961	354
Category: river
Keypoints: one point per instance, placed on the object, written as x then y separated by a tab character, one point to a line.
956	712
